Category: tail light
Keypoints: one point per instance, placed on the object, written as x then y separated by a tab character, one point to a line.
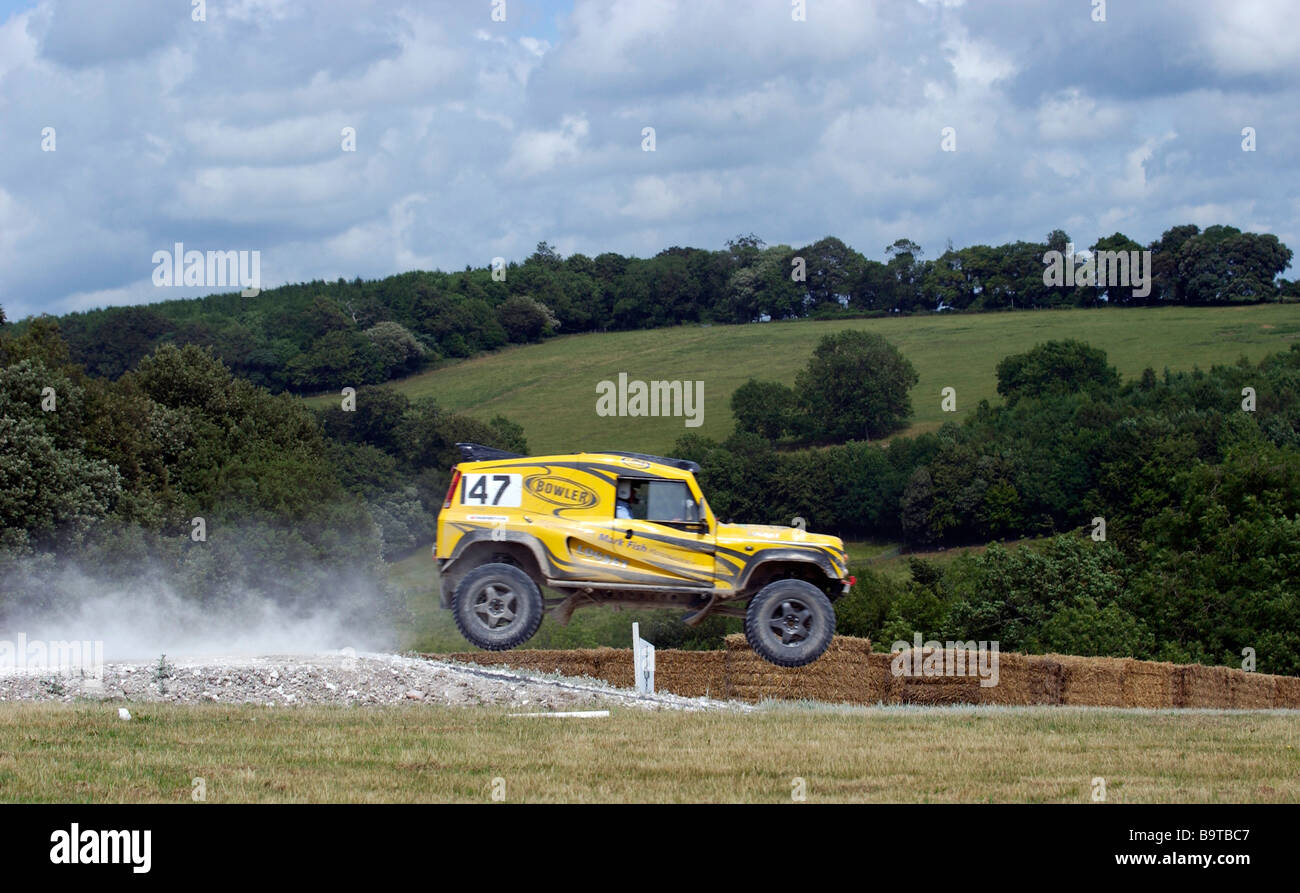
451	491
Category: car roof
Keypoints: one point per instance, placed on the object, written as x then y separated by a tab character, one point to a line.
474	452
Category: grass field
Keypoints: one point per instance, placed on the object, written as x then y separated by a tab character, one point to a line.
83	753
550	388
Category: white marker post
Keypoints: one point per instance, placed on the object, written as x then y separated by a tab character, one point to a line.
643	662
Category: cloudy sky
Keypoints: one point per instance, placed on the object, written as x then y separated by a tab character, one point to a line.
477	138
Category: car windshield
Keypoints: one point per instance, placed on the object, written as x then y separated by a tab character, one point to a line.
662	501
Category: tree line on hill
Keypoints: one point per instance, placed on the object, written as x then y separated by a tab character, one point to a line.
318	336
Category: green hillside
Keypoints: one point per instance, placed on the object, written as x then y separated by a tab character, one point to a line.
550	388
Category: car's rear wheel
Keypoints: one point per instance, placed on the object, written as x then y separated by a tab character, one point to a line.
790	623
497	606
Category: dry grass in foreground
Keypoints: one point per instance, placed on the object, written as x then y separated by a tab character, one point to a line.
84	753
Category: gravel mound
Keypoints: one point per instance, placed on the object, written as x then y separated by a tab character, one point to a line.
337	678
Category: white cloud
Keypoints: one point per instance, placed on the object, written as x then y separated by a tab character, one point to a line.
249	194
977	62
286	139
1136	181
385	240
17	46
660	198
255	11
534	46
1249	36
1064	163
1076	117
1210	213
537	151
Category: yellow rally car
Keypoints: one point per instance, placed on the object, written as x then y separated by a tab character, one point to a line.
623	529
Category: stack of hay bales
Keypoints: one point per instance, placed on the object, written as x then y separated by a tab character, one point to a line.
1025	679
1251	691
1091	681
692	674
850	673
1205	686
882	686
1286	692
844	674
615	666
1150	684
918	688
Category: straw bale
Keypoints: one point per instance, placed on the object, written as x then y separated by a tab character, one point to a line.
1251	691
882	685
1025	679
1206	686
842	674
919	688
1092	681
691	674
1286	692
1150	684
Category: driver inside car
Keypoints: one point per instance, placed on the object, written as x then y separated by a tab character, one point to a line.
626	496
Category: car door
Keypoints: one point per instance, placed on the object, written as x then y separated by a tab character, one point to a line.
666	542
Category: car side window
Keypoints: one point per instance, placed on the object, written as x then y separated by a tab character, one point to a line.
656	500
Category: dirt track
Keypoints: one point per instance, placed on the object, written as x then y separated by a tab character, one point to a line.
336	678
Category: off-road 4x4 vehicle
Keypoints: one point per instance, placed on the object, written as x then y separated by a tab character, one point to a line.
623	529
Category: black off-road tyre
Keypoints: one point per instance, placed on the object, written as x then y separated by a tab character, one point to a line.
497	607
789	623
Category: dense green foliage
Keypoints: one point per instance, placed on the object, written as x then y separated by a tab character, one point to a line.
319	336
1148	599
396	454
1058	367
855	386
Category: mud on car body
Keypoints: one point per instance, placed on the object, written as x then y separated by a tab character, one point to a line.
628	529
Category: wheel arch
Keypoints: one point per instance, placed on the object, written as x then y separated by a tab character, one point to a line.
775	564
478	547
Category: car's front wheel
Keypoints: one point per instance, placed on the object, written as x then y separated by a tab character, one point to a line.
790	623
497	606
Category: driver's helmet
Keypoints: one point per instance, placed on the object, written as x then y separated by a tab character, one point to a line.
625	490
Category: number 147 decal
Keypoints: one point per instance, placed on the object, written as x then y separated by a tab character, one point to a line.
491	489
